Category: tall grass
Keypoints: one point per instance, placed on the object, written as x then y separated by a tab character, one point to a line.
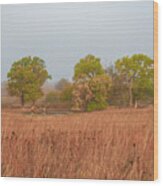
110	144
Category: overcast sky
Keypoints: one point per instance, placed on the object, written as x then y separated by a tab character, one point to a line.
63	33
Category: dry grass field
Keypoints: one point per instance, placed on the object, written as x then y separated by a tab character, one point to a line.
110	144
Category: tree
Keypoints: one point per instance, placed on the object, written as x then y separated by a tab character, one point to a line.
137	71
87	68
91	85
64	87
62	84
66	93
118	93
26	78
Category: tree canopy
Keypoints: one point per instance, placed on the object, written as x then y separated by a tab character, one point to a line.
26	78
137	72
87	68
128	82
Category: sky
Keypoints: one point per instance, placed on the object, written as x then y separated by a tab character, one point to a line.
63	33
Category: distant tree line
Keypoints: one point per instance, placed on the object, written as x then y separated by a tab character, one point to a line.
130	82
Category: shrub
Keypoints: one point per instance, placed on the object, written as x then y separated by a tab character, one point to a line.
91	94
96	106
66	93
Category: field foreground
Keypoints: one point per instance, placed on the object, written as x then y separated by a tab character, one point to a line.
110	144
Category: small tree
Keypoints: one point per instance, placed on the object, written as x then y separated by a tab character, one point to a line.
62	84
66	93
26	78
91	85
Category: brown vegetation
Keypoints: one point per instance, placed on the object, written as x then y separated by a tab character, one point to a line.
109	144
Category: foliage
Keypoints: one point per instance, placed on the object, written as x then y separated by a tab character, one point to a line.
62	84
60	97
91	85
118	94
96	106
99	86
130	81
82	94
137	72
66	93
26	78
88	68
53	97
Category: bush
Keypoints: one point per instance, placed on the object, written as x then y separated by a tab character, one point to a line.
60	99
92	94
66	93
96	106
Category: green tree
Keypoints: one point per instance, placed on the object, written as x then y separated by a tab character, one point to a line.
26	78
87	68
91	85
137	71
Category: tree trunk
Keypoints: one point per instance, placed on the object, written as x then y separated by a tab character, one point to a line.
130	94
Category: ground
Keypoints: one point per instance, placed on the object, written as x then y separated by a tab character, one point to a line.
110	144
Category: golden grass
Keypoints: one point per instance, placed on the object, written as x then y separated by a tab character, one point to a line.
110	144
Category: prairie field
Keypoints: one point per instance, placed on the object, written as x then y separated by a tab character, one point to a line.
116	143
